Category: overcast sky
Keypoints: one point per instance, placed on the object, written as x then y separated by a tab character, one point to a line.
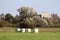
11	6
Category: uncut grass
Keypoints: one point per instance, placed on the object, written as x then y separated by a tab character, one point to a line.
30	36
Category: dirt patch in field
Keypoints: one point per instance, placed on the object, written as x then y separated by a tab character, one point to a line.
7	30
49	30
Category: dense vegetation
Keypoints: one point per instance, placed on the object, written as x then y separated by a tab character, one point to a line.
28	18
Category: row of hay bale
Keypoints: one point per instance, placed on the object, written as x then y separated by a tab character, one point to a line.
27	30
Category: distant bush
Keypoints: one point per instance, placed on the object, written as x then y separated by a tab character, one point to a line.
6	24
1	24
57	24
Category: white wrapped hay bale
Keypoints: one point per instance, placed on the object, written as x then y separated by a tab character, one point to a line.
29	30
23	29
18	29
36	30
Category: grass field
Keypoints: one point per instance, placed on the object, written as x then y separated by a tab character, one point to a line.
30	36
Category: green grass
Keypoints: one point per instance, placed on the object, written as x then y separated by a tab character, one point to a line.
30	36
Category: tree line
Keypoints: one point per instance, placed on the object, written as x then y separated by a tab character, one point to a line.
28	18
